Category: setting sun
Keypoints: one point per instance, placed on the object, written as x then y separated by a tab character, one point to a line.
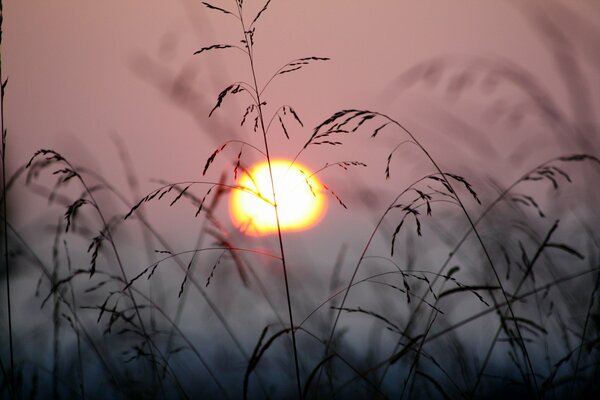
301	201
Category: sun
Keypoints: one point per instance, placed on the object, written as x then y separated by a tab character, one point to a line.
300	198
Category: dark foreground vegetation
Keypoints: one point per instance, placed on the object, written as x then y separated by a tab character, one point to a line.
464	286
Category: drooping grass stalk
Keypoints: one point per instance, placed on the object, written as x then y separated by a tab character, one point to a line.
588	315
444	331
188	342
259	104
56	293
360	260
165	245
176	256
529	269
5	215
181	304
514	299
106	232
487	210
502	196
48	274
209	210
362	257
372	114
483	246
147	238
265	342
421	352
133	184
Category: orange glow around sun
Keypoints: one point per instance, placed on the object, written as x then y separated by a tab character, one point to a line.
300	198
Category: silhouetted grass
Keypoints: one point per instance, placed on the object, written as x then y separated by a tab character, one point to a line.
458	290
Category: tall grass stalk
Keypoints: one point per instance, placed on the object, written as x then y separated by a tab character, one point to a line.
5	214
526	275
105	234
259	104
56	313
75	328
167	246
466	214
488	209
410	325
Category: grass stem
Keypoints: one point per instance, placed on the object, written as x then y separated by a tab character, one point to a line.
249	44
5	215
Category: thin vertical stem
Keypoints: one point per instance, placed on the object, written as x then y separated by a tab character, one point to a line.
77	333
483	247
55	313
248	39
5	214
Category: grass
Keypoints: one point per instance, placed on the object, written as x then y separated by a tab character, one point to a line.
10	375
457	290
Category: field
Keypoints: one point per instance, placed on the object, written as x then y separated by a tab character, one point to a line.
426	225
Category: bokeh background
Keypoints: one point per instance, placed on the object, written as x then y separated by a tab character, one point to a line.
492	89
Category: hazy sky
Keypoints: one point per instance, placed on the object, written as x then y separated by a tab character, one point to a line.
82	73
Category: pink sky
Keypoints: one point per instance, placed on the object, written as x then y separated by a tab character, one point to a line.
86	75
81	71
